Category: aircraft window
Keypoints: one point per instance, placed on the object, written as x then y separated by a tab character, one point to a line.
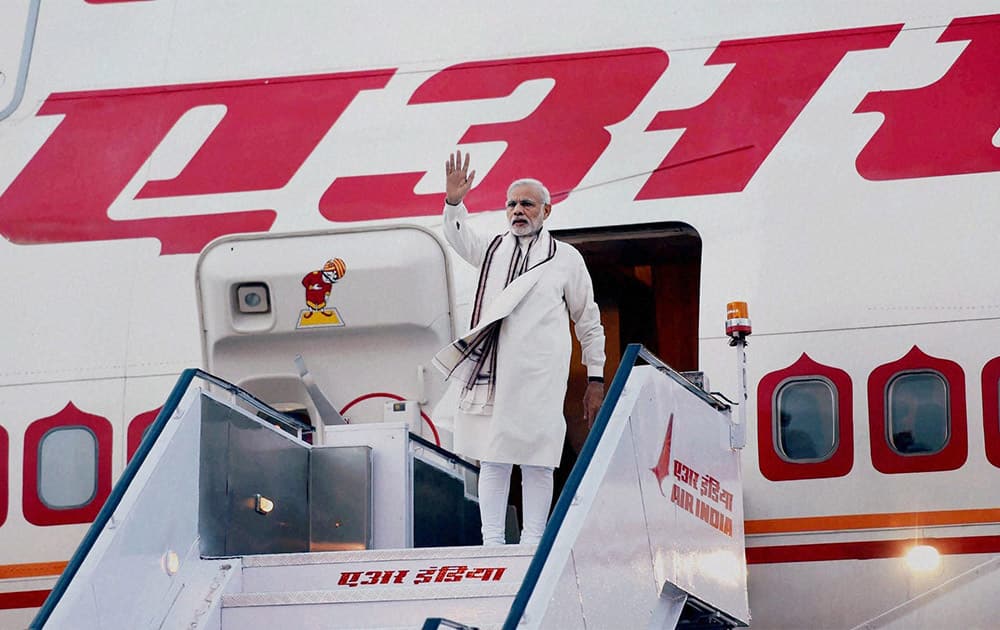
918	412
805	422
67	467
917	417
806	410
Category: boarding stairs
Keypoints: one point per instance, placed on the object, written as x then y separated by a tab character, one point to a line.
227	518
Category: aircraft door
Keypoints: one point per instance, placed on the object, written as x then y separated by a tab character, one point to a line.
365	309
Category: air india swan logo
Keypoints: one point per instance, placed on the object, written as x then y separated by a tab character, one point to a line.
318	285
662	468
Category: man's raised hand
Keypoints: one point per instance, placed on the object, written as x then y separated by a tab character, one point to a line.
458	178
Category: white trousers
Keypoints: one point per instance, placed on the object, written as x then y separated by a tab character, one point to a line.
536	498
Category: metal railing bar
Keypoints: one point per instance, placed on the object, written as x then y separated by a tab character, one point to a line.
656	362
263	407
451	457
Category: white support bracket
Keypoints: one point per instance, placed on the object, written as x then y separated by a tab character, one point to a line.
738	429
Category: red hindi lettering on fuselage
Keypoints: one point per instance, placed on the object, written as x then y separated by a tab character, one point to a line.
946	128
557	143
272	126
728	137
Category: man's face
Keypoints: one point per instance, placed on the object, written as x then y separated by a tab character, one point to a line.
525	210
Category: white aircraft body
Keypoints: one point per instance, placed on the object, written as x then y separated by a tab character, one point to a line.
835	165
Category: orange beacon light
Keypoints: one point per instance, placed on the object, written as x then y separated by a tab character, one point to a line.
737	319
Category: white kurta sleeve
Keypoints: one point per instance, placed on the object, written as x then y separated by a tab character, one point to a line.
467	243
586	316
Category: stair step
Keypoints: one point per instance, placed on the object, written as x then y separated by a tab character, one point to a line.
484	614
403	593
380	571
482	605
385	588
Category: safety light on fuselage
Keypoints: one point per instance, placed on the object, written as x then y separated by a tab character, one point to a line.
737	320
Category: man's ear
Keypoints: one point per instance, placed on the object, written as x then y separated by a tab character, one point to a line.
548	210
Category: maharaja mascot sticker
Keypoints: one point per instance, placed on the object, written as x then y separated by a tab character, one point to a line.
318	285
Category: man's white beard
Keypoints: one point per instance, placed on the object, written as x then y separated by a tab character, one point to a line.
525	229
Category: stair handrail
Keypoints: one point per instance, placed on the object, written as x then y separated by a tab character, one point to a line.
132	469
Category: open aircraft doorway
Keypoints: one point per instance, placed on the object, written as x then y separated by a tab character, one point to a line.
646	282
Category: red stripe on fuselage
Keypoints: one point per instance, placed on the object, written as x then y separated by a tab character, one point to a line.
22	599
868	549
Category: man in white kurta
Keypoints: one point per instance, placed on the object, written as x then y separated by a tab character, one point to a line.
514	362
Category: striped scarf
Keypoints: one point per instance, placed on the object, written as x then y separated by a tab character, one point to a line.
478	353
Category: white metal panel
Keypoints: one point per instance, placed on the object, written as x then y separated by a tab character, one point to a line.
703	558
630	512
392	504
615	537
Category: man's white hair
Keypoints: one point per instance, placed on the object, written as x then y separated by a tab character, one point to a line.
526	181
